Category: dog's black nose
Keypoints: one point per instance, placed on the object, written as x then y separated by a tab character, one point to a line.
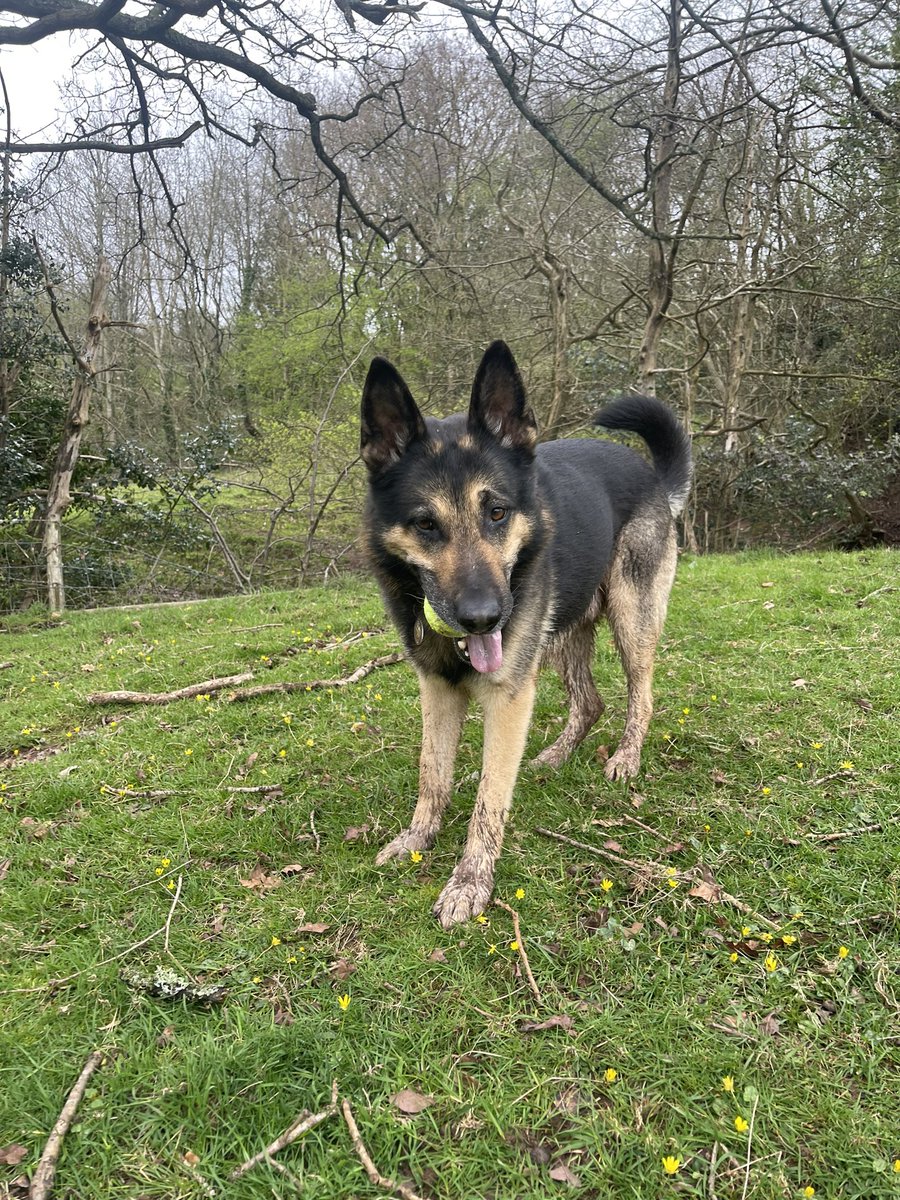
478	612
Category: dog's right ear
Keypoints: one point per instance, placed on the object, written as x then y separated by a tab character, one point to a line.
391	420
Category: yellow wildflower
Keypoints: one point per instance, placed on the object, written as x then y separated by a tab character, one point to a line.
843	951
741	1125
344	1002
610	1074
728	1083
670	1164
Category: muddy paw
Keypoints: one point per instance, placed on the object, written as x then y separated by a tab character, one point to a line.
466	894
403	845
624	764
553	756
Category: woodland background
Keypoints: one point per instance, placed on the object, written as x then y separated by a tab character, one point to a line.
697	200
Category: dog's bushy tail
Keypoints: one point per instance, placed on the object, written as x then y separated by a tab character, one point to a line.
669	445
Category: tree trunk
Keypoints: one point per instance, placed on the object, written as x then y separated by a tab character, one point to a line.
557	276
58	494
663	248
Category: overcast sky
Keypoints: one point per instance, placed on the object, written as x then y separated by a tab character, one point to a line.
31	73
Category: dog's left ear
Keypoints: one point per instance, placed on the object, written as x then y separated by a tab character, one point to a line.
499	405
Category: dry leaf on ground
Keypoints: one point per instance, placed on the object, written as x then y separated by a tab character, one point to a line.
260	880
558	1022
562	1173
411	1103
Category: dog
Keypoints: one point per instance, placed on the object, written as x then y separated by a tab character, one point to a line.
496	555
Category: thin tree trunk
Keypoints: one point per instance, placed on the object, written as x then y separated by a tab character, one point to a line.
662	251
557	277
77	417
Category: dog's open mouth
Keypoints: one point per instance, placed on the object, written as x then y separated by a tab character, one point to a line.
483	651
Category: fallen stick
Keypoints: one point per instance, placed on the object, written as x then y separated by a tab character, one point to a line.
645	868
598	851
711	1176
833	837
520	946
42	1180
749	1148
185	693
382	1181
104	962
6	666
303	1124
131	794
176	895
314	685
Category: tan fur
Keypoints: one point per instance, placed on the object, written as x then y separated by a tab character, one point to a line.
443	712
506	721
636	617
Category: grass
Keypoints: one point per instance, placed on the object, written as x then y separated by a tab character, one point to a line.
774	675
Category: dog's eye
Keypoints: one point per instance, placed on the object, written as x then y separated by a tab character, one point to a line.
498	513
426	524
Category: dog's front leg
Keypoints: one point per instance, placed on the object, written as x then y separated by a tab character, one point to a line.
506	722
443	712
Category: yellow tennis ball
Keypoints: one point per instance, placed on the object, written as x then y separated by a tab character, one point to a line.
437	624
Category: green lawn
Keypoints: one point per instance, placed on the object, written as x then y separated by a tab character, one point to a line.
778	702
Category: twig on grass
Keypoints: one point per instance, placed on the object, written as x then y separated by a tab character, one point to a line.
42	1180
313	685
260	787
749	1148
650	869
727	898
711	1176
520	946
825	838
312	826
185	693
303	1124
176	895
619	859
888	587
131	794
6	666
104	962
382	1181
820	779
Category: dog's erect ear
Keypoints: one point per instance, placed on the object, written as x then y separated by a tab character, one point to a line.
391	420
499	405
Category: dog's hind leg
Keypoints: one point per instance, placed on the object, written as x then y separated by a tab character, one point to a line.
443	712
637	598
572	656
506	721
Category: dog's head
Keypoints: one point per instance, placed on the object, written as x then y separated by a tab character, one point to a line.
454	500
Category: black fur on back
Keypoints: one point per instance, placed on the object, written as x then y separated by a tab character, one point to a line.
669	445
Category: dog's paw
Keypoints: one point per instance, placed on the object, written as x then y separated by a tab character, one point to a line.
624	764
553	756
403	845
466	894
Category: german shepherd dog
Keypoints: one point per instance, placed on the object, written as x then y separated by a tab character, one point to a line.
513	551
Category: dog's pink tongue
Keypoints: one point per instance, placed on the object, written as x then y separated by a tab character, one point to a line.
485	651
